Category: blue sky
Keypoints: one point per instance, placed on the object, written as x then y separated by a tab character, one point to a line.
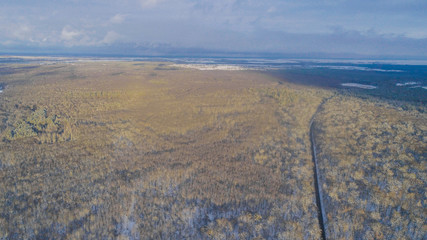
373	28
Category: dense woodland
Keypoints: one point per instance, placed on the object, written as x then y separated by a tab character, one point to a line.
372	159
106	150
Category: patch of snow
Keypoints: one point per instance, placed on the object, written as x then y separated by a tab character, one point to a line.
406	84
205	67
356	68
358	85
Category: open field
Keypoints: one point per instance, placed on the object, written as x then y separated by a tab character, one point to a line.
143	150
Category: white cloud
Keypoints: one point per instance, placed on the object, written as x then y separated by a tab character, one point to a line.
149	3
73	37
22	32
415	34
68	34
245	25
118	18
110	37
16	31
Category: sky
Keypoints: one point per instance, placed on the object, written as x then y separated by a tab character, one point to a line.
395	28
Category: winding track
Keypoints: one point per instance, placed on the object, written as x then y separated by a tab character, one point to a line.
317	185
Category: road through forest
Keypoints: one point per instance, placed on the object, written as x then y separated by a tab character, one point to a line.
317	183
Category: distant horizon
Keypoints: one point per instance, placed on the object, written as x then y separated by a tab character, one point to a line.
219	54
296	29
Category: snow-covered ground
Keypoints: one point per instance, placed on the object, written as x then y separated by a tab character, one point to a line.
358	85
358	68
406	84
205	67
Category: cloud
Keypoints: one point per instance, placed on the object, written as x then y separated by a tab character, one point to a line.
118	18
377	27
72	37
15	31
68	34
110	37
149	3
22	32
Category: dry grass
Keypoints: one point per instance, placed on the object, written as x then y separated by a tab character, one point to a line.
372	162
141	151
156	154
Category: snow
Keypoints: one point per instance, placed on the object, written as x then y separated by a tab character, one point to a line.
358	85
205	67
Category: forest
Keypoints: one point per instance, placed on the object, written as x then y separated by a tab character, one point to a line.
145	150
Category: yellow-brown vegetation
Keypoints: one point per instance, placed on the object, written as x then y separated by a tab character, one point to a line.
372	160
126	150
122	150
